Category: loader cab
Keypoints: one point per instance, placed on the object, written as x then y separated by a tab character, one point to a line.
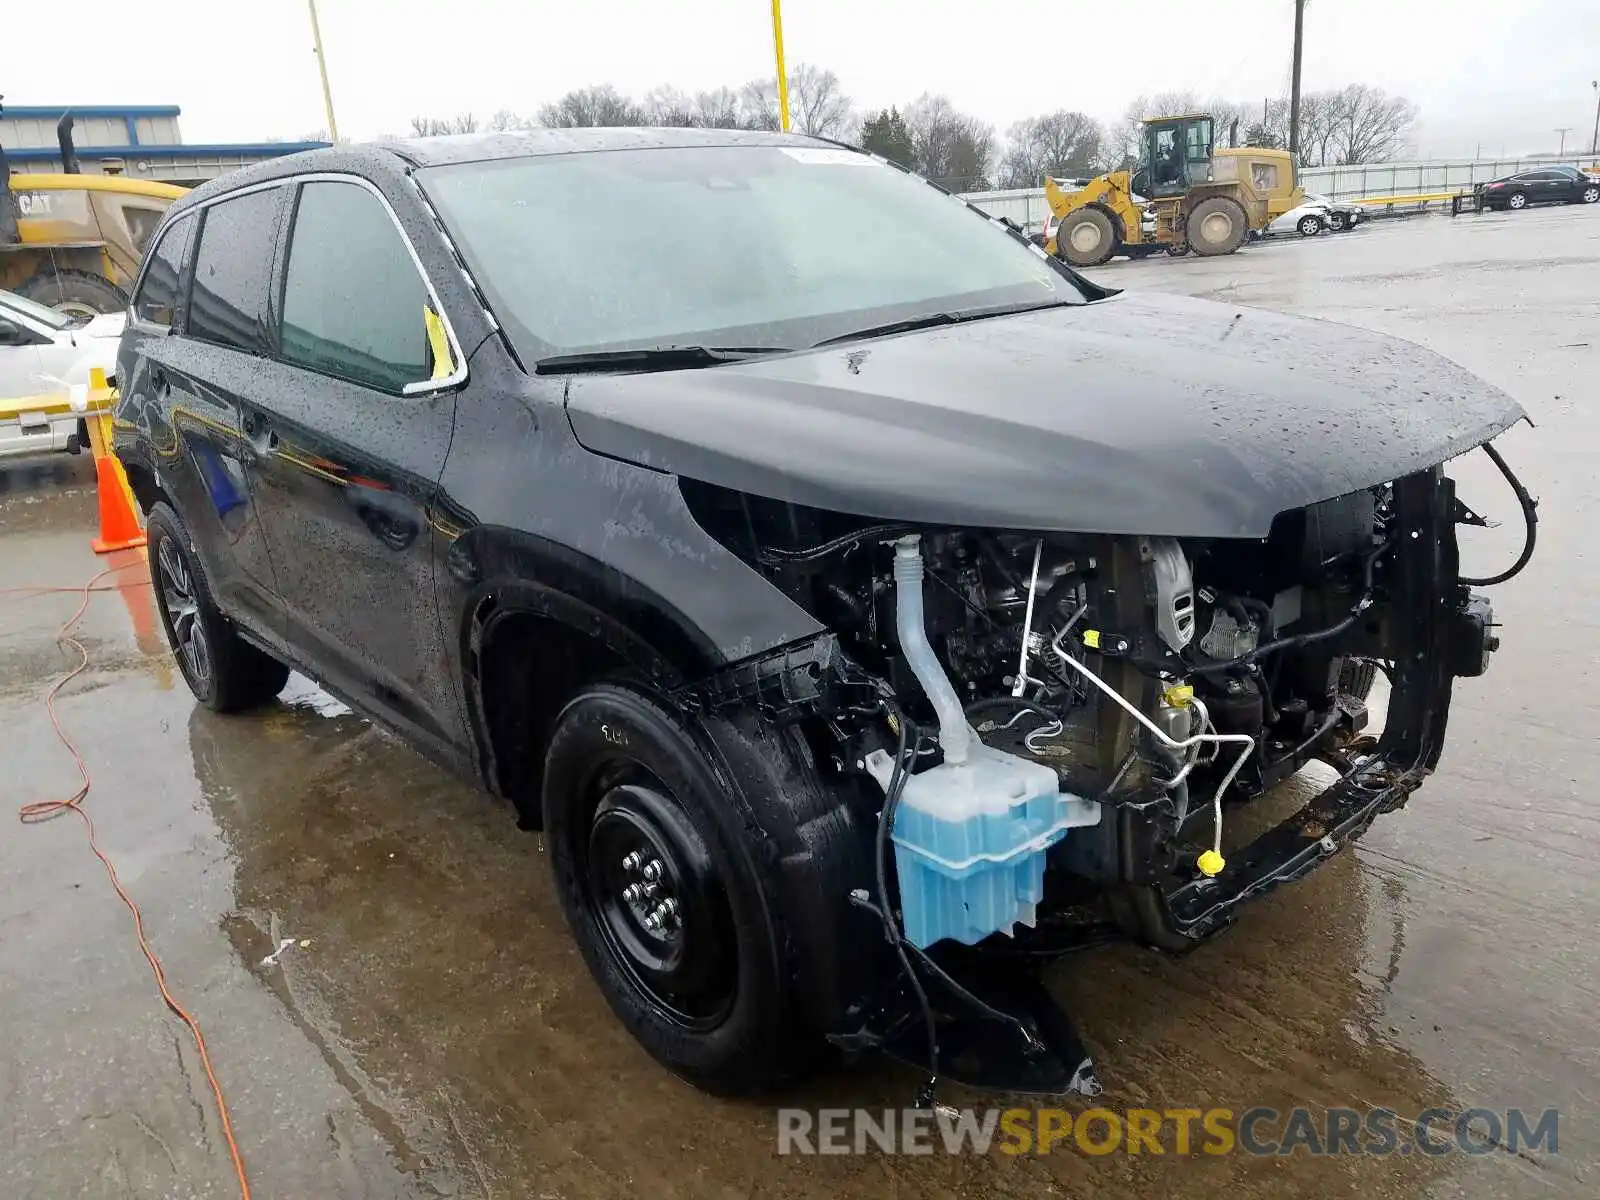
1176	154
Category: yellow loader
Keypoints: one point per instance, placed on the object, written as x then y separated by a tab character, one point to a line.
73	241
1199	200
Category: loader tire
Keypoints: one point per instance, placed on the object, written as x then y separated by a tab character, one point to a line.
75	292
1087	237
1216	226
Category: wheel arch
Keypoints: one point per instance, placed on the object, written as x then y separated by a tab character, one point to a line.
542	622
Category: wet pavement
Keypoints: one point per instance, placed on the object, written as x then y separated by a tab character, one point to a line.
430	1030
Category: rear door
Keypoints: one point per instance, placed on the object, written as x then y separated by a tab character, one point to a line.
194	330
349	429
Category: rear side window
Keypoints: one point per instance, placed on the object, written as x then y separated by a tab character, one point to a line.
157	300
353	299
227	303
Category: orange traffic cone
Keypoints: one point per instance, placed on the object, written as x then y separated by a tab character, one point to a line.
119	525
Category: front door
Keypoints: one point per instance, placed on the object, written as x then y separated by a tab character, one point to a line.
349	428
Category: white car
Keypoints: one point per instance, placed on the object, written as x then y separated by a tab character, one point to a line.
47	353
1308	220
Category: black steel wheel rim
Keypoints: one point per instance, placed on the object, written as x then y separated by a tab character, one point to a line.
657	900
181	605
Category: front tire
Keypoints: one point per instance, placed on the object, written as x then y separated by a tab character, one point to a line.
1336	222
654	847
1590	194
225	673
1087	237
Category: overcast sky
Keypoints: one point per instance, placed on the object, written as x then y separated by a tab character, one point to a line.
1503	74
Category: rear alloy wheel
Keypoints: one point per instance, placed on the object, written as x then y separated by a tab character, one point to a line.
1516	200
1590	194
1309	226
225	673
1087	237
651	846
1216	226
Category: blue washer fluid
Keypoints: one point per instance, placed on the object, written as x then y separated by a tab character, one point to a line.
970	840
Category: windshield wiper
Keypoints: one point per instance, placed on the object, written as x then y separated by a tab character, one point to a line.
653	358
933	320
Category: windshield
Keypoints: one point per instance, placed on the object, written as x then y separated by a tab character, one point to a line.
37	312
749	246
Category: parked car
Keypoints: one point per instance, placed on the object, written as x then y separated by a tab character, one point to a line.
822	574
46	352
1547	185
1341	215
1307	220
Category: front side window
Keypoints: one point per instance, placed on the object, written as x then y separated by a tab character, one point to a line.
157	299
228	301
732	245
354	303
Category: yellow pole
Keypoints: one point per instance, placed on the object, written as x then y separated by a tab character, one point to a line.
322	69
783	76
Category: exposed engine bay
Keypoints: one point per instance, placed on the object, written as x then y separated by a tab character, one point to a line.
1058	723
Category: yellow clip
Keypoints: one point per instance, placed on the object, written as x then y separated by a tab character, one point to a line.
438	342
1091	638
1210	863
1178	695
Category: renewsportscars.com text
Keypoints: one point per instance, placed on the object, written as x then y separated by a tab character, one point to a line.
1178	1131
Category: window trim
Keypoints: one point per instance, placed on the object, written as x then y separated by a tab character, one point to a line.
424	387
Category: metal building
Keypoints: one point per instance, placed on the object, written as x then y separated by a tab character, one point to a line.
140	141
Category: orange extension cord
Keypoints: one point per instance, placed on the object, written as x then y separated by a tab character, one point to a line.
45	810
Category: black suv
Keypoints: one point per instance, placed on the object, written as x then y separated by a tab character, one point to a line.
838	581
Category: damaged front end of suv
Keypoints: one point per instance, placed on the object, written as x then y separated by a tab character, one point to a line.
1059	645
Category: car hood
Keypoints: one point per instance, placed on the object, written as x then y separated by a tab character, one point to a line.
1131	415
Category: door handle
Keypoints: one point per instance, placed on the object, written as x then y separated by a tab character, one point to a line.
259	432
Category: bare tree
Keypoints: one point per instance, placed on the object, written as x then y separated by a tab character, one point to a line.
504	121
591	106
717	109
1369	125
951	148
440	126
666	105
758	104
1059	144
818	105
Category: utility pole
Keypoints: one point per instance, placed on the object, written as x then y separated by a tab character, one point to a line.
322	67
1563	133
1594	144
783	78
1294	80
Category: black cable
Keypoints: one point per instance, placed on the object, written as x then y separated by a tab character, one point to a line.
773	554
908	737
1530	523
1298	640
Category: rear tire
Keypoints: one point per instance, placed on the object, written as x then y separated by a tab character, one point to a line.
1516	201
628	782
74	292
225	673
1087	237
1216	225
1309	226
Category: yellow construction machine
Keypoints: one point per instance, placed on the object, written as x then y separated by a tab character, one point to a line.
1183	196
73	241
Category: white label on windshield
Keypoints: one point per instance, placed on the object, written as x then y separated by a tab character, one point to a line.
828	156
